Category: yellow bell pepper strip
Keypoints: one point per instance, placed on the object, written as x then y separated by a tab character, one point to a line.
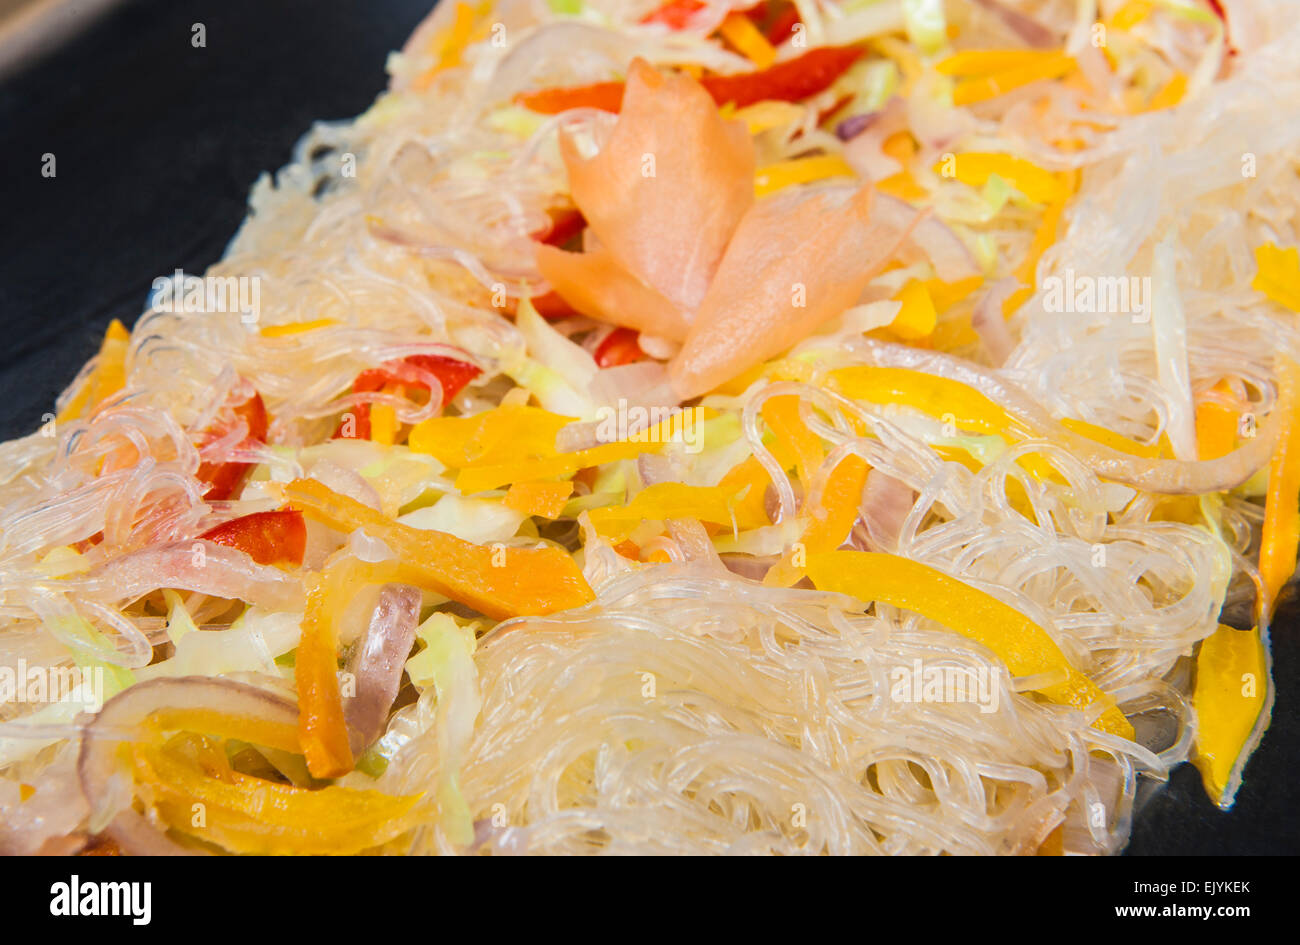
1216	426
668	500
917	318
1024	646
903	186
1116	441
383	424
289	329
1132	13
1278	274
216	724
1281	534
805	170
975	168
498	435
945	295
987	74
542	499
939	397
769	114
245	814
108	377
560	466
321	727
1232	688
517	444
831	521
499	581
1170	94
740	31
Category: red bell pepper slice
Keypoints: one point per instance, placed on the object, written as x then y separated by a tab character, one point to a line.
789	81
619	347
224	478
676	14
452	373
782	25
278	537
565	225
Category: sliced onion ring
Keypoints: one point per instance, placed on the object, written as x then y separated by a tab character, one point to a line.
109	790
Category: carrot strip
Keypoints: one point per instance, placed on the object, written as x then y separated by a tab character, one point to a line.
497	580
322	730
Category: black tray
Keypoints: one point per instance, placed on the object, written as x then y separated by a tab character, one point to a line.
157	143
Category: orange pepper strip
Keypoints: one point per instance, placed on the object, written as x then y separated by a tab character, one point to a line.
740	31
321	727
748	475
1026	273
497	580
832	520
781	414
1281	536
108	377
1216	426
543	499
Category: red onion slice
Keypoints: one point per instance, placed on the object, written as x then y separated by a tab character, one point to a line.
377	662
1030	30
107	787
951	259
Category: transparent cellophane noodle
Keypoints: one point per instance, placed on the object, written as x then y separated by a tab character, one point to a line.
767	726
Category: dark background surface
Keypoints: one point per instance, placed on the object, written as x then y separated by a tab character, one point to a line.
157	144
